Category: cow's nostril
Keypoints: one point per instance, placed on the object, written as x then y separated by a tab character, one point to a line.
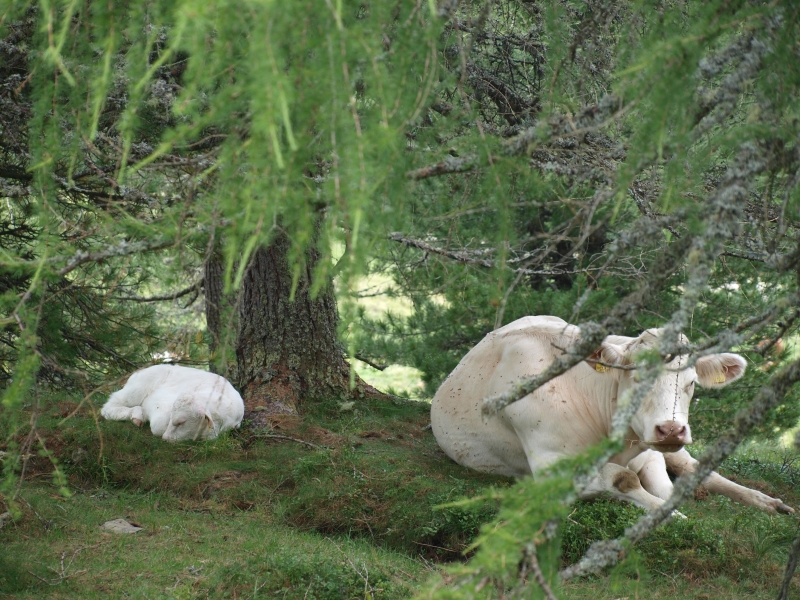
671	430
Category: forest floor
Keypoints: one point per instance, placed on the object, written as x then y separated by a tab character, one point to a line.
342	503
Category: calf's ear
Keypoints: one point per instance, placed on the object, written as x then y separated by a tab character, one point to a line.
610	354
209	420
204	414
718	370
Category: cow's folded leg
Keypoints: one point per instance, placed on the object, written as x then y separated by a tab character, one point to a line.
652	472
623	484
116	412
682	462
137	416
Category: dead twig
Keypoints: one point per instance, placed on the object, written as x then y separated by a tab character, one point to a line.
530	564
289	438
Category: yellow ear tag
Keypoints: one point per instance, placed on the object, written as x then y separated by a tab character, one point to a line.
720	379
601	368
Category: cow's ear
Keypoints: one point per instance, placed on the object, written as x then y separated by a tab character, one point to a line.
610	354
208	421
718	370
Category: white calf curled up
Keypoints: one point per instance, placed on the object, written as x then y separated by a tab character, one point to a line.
179	402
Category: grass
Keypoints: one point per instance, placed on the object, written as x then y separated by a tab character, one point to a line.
338	504
187	554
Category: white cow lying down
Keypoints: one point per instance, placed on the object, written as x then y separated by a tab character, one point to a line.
573	411
181	403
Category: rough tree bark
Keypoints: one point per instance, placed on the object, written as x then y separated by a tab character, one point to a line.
287	352
220	315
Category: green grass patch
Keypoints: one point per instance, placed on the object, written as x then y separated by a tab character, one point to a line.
374	471
721	550
59	550
342	503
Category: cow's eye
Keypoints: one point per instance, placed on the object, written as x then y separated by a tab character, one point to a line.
689	387
179	424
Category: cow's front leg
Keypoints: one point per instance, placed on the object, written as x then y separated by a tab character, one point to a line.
137	416
652	472
120	412
623	484
682	462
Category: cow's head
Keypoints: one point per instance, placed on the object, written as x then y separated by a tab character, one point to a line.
189	421
662	420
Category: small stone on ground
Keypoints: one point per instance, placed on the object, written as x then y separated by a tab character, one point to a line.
120	526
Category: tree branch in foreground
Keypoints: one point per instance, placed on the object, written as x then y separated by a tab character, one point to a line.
530	564
791	565
607	553
592	334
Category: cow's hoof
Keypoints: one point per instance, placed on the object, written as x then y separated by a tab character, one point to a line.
137	422
774	505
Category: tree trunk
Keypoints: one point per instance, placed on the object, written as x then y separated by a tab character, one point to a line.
288	351
220	315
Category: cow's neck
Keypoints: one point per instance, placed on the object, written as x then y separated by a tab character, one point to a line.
632	448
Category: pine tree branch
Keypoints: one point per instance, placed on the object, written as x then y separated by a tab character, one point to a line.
369	362
591	118
167	297
462	257
123	248
473	257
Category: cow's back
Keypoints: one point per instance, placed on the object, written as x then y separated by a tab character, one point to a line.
491	444
166	383
561	418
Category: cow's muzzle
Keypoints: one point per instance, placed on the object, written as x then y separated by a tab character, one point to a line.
671	436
